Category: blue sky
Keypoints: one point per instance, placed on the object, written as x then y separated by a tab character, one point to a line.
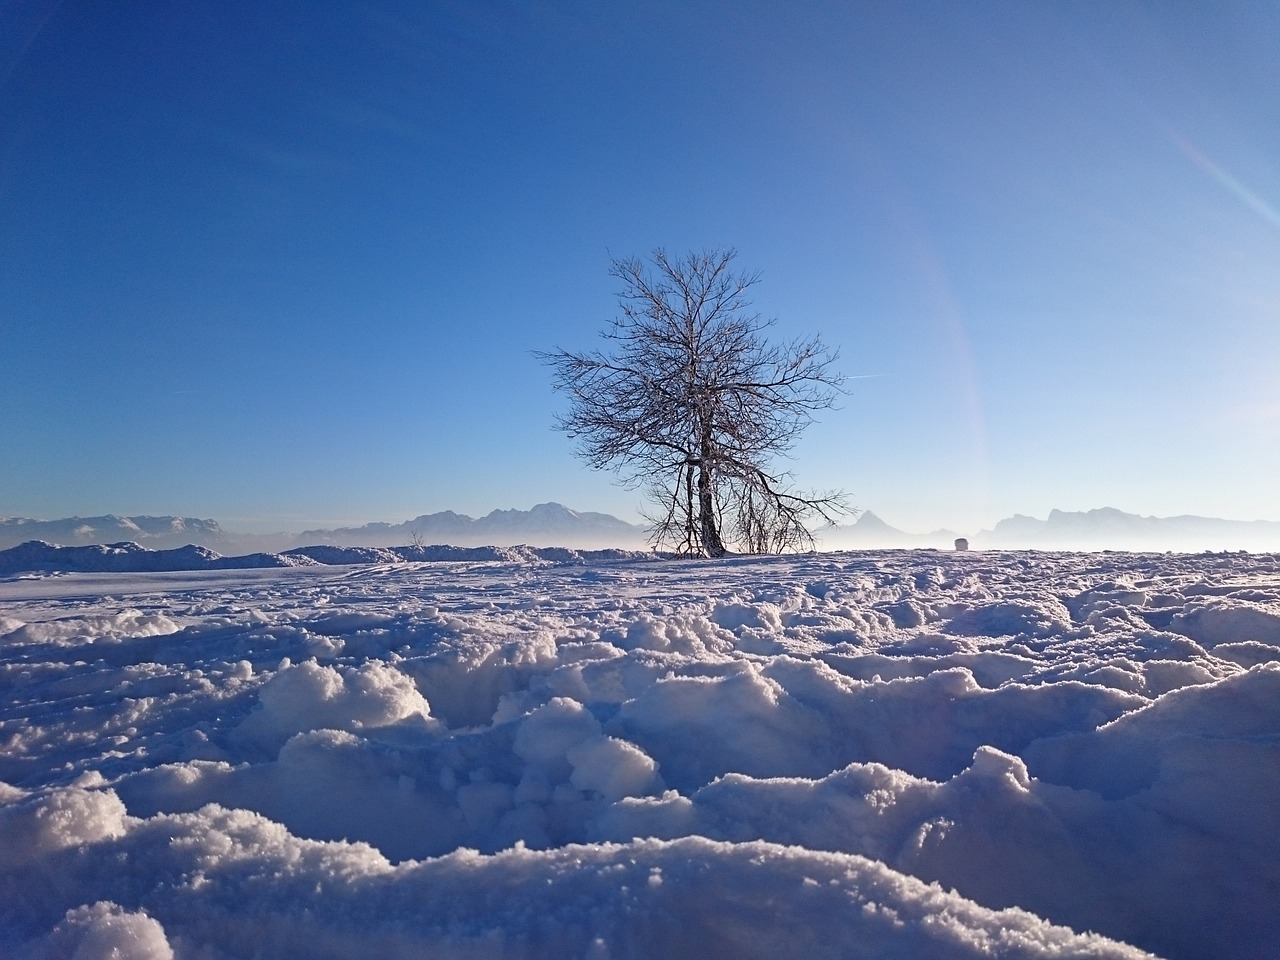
285	264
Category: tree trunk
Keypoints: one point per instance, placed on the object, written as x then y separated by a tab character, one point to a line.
708	529
691	536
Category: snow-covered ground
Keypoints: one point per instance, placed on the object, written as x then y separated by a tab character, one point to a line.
888	755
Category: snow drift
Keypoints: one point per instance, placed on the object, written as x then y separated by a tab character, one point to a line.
842	755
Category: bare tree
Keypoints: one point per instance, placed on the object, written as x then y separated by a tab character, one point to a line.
690	400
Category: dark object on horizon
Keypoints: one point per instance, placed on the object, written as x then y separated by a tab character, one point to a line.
690	400
961	544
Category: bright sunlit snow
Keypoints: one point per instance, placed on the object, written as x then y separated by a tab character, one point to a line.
881	755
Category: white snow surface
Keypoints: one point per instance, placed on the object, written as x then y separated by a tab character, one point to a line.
880	754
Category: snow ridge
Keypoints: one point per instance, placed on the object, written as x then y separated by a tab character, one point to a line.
36	556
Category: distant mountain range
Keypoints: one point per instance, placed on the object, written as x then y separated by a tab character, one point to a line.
1108	528
1102	529
546	525
554	525
869	532
155	533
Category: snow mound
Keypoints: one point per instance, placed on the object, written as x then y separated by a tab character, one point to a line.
306	697
104	931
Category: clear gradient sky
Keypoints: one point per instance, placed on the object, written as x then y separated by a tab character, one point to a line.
284	263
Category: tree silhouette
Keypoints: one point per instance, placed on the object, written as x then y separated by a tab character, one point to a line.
691	401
